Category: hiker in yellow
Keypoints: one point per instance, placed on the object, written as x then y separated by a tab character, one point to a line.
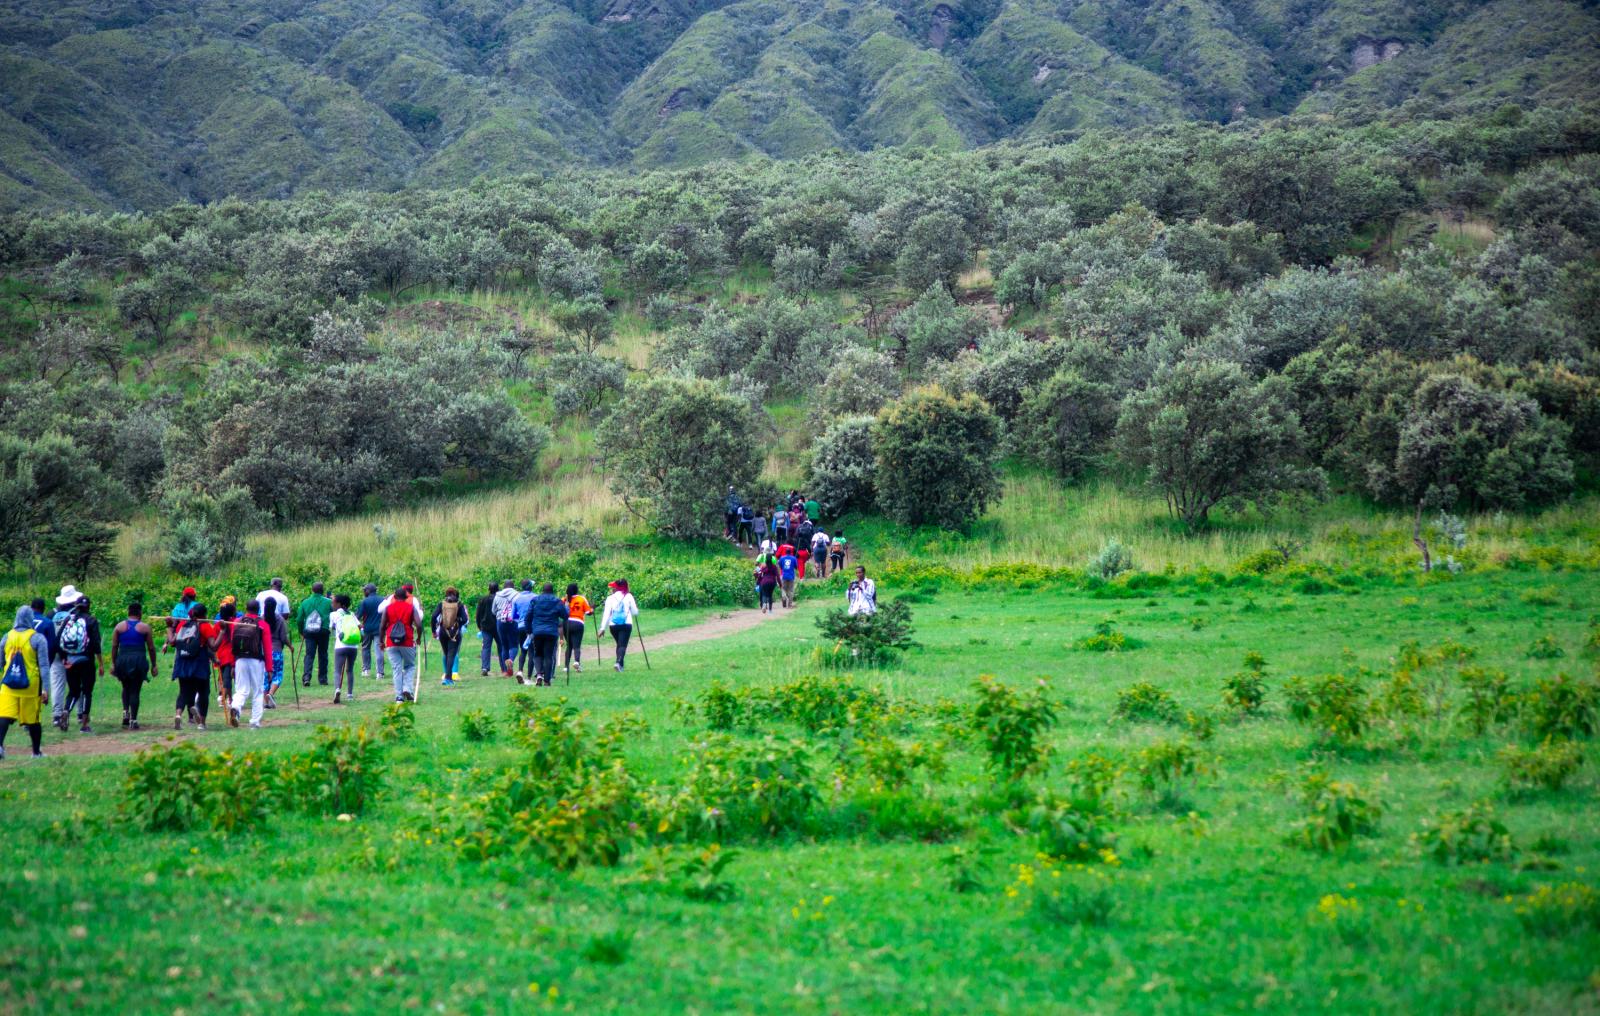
21	691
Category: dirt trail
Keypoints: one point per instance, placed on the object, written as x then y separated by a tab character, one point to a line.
316	705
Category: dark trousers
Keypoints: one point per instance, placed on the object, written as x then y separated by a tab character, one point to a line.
451	648
765	592
732	521
369	643
132	670
225	681
194	693
35	732
544	654
316	649
620	633
574	642
80	688
344	668
491	647
509	641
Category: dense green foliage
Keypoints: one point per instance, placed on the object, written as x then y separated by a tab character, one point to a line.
156	102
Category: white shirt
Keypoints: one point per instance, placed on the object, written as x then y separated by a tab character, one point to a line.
768	547
274	594
863	597
619	602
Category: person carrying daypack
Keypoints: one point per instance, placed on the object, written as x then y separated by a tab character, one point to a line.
819	552
766	581
730	513
505	625
450	627
60	697
401	620
747	518
251	643
370	613
314	620
191	667
219	640
780	524
836	551
547	614
619	614
578	608
802	539
347	638
22	690
519	616
483	618
788	564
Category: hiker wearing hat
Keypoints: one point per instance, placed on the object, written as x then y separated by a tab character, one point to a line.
180	610
620	611
78	636
68	599
21	681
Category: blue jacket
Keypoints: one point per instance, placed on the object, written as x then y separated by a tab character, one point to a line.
519	608
545	614
46	627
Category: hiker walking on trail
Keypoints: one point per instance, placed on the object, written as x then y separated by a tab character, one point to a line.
483	618
449	627
22	672
274	594
251	641
370	614
819	552
401	621
314	621
620	612
505	625
45	625
547	615
60	698
730	513
191	667
836	551
134	660
758	529
347	639
788	565
78	635
766	581
219	640
862	596
578	608
747	518
280	643
185	603
519	614
780	524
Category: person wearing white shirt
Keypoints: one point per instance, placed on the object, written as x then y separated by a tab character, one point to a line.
274	593
862	595
619	614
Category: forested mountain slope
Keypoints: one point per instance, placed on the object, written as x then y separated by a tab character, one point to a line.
142	104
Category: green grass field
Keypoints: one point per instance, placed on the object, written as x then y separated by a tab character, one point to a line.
1201	905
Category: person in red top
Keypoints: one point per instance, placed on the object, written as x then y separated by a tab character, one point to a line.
804	554
252	648
217	635
402	618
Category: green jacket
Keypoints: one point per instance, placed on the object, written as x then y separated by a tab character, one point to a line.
313	604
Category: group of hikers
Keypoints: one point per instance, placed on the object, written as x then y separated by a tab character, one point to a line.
794	526
54	657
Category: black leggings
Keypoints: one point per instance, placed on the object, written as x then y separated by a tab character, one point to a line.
544	655
132	671
574	642
35	732
766	594
80	688
194	693
620	633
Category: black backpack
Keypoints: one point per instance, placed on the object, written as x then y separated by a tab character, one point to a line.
246	640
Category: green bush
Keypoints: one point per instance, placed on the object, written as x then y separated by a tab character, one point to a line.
1546	767
1105	639
937	459
1333	705
1559	909
1092	783
1145	702
1335	814
476	725
738	790
1473	836
1246	691
821	704
396	722
1489	700
891	764
186	786
1545	647
867	640
1165	769
1562	707
1063	832
342	772
1012	727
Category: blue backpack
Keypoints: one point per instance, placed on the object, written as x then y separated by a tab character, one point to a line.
16	672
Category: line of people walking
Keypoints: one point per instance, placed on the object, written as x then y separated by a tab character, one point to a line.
522	630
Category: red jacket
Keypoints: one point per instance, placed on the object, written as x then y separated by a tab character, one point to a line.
401	612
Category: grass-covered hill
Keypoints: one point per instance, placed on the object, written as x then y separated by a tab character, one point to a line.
140	105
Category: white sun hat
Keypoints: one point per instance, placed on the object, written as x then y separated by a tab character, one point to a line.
69	596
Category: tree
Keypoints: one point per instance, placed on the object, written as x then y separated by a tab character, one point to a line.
936	458
1066	423
933	251
797	271
933	328
581	384
586	320
154	302
673	445
1205	433
55	502
859	382
655	267
844	466
1464	442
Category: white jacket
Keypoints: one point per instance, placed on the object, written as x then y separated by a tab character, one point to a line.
619	603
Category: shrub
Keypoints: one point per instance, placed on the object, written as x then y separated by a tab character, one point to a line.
737	790
905	814
476	725
1334	706
1145	702
1473	836
1012	727
874	639
396	722
1105	639
610	948
1065	833
342	772
1541	596
1113	560
1246	691
722	707
844	467
1563	707
936	459
1489	700
1066	423
1165	768
891	764
1545	647
701	875
1046	895
1547	766
1335	814
1559	909
819	704
1091	783
181	787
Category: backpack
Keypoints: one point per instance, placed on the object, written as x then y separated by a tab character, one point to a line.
450	616
398	631
74	636
186	641
313	622
246	639
16	671
620	614
349	630
503	611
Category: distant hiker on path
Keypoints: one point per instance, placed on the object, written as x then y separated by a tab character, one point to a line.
620	612
78	637
401	620
279	627
22	690
314	621
836	551
505	625
274	592
252	647
730	513
862	596
185	601
547	614
766	581
133	661
370	614
449	628
219	638
483	618
191	668
788	568
819	552
578	609
347	639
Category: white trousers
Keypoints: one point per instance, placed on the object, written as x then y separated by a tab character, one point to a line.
249	684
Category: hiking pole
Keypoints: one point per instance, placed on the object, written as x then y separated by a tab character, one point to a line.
642	649
294	673
422	643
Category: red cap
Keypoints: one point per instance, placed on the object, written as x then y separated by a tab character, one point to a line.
408	587
189	591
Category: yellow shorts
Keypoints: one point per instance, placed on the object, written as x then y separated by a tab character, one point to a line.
22	706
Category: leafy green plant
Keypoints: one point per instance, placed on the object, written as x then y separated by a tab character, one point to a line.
1474	835
962	870
344	770
1562	706
1245	691
396	722
736	789
891	764
1012	727
1545	647
185	786
1336	813
1113	560
476	725
1051	895
1333	705
866	640
1063	832
1165	770
820	704
1145	702
1559	909
1105	639
702	875
1489	700
1541	596
608	948
1548	766
722	707
1092	783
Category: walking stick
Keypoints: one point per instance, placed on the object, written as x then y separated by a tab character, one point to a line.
422	643
294	674
642	649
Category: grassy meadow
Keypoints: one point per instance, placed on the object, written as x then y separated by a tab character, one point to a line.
933	897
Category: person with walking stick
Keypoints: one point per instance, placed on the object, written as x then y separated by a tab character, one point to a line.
621	612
